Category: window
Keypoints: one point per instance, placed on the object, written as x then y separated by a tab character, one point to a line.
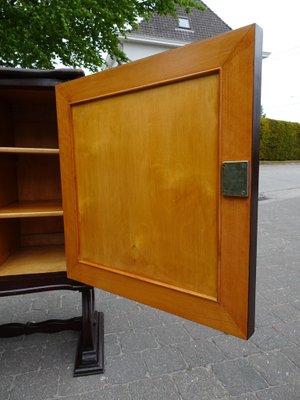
183	22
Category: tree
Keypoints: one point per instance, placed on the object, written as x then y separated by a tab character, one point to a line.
40	33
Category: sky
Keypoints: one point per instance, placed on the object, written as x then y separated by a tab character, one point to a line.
281	70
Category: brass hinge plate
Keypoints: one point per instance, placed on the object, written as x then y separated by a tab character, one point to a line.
235	178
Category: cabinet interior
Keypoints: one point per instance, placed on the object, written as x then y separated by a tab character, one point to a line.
31	215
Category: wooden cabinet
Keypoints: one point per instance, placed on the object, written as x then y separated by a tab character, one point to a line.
142	149
159	163
32	253
31	214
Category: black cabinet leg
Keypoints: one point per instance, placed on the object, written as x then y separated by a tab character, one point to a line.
90	350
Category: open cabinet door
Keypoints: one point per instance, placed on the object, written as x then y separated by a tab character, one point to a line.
159	164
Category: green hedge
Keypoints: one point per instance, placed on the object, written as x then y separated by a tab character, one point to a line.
279	140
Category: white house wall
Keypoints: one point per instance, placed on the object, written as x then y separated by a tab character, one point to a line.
135	51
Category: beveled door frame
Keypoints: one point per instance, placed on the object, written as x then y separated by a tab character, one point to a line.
236	56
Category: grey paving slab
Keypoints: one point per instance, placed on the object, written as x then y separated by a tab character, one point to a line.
293	353
285	392
5	384
138	340
197	331
35	385
201	352
162	388
268	338
112	345
163	360
275	368
117	392
20	360
170	334
233	347
125	368
198	383
239	377
69	386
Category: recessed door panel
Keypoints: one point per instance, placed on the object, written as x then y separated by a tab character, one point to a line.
155	211
141	150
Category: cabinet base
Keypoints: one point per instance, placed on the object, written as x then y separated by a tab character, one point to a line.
90	361
50	326
90	350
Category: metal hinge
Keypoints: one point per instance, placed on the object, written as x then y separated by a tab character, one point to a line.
235	178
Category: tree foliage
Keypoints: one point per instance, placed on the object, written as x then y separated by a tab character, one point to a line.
38	33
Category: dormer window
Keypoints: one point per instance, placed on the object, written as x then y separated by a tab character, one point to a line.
184	23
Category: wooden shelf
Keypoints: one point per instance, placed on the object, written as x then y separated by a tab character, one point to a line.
35	260
28	150
32	209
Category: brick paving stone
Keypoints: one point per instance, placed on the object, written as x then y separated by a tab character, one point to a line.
238	377
125	368
138	340
162	388
61	354
290	330
233	347
20	360
5	384
35	385
102	295
278	296
275	368
197	331
70	386
286	392
247	396
170	334
268	338
11	343
117	392
123	306
111	345
265	317
116	323
164	360
292	352
200	353
145	319
287	312
198	384
168	318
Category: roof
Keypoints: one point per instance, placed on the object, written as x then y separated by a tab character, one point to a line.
203	24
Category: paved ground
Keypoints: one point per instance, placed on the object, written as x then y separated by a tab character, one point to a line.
151	355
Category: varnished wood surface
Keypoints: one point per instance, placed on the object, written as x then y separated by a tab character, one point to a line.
154	212
38	177
31	209
34	259
28	150
233	55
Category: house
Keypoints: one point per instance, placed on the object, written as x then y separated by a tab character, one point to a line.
166	32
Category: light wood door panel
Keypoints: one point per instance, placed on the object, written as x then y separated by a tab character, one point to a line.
164	190
141	148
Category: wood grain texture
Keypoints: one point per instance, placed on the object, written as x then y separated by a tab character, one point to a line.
157	164
9	237
28	209
232	54
38	178
28	150
31	225
33	260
